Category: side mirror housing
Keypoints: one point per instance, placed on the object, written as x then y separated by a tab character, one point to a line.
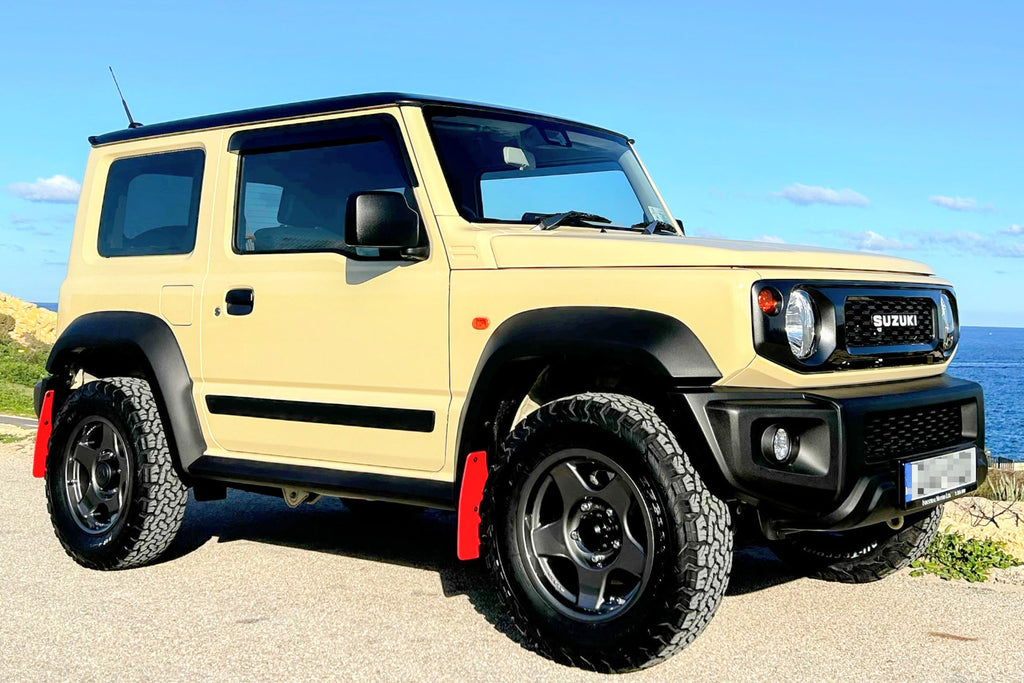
381	220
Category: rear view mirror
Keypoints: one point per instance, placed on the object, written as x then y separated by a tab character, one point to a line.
518	157
381	220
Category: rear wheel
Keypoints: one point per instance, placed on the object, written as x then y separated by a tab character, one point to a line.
114	497
606	547
860	555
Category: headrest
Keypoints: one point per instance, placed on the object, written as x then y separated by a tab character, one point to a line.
305	209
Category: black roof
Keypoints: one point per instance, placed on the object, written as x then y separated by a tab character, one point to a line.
298	109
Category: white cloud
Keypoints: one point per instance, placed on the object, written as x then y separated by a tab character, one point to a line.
58	189
773	239
869	240
805	195
960	204
1013	230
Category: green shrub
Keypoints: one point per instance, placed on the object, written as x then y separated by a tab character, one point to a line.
954	556
16	399
20	368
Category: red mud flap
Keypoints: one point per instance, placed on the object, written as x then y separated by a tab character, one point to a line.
43	436
471	493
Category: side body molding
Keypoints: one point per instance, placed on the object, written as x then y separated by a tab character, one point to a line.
119	343
655	343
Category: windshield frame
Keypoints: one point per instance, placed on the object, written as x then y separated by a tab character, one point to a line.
432	111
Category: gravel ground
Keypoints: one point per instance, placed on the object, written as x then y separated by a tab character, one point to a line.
255	591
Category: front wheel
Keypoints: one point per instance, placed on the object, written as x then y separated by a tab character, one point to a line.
606	547
860	555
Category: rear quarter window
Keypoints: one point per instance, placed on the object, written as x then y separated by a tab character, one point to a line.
151	205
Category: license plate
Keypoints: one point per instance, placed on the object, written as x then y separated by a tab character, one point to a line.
927	480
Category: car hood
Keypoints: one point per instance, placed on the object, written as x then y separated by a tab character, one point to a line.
570	248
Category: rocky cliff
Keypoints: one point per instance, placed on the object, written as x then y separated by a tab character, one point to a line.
31	323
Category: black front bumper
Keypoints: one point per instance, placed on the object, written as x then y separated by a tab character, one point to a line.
853	443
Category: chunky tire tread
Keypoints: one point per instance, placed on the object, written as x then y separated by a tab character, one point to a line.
862	560
158	498
691	583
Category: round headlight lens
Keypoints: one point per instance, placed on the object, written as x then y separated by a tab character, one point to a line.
801	324
947	326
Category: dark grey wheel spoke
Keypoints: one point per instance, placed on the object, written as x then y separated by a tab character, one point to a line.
86	455
618	496
89	502
569	483
108	440
631	558
549	540
591	589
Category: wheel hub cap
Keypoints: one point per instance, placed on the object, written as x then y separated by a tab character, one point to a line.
596	531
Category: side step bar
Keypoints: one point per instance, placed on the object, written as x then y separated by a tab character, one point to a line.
326	481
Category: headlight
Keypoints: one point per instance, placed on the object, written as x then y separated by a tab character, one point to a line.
801	324
947	324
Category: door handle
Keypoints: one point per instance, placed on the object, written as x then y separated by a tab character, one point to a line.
239	301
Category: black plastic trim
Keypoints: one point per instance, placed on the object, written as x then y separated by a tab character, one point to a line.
655	343
373	417
830	484
327	481
111	343
300	109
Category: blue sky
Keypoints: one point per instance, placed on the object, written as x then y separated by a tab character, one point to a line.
884	126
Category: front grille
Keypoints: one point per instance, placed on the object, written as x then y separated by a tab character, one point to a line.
903	321
897	434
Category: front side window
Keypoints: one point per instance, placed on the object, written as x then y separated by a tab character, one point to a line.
151	205
297	199
520	169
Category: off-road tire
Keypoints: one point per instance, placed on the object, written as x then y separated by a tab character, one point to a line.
692	533
156	504
860	555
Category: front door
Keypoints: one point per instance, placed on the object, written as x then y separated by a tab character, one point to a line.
312	351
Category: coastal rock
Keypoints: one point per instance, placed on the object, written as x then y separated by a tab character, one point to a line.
31	323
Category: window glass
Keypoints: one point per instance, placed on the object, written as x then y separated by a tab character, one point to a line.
151	205
297	199
606	193
517	168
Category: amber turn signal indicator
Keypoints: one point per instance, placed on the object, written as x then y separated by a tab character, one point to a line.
481	323
769	301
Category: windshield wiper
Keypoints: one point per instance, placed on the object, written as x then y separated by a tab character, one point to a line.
578	218
656	226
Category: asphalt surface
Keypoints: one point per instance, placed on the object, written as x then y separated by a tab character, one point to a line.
256	591
26	422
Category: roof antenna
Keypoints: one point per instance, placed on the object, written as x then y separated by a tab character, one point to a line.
132	123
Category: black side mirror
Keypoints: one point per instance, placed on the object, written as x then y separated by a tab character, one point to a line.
381	220
682	229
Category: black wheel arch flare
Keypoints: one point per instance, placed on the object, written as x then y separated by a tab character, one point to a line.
657	344
131	343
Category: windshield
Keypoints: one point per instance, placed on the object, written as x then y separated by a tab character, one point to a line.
520	169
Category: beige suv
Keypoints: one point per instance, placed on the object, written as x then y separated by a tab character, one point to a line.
412	300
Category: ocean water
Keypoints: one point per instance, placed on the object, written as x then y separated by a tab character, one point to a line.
994	358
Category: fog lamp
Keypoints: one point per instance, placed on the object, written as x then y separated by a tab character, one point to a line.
778	445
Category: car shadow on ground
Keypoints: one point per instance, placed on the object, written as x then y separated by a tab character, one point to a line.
410	537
